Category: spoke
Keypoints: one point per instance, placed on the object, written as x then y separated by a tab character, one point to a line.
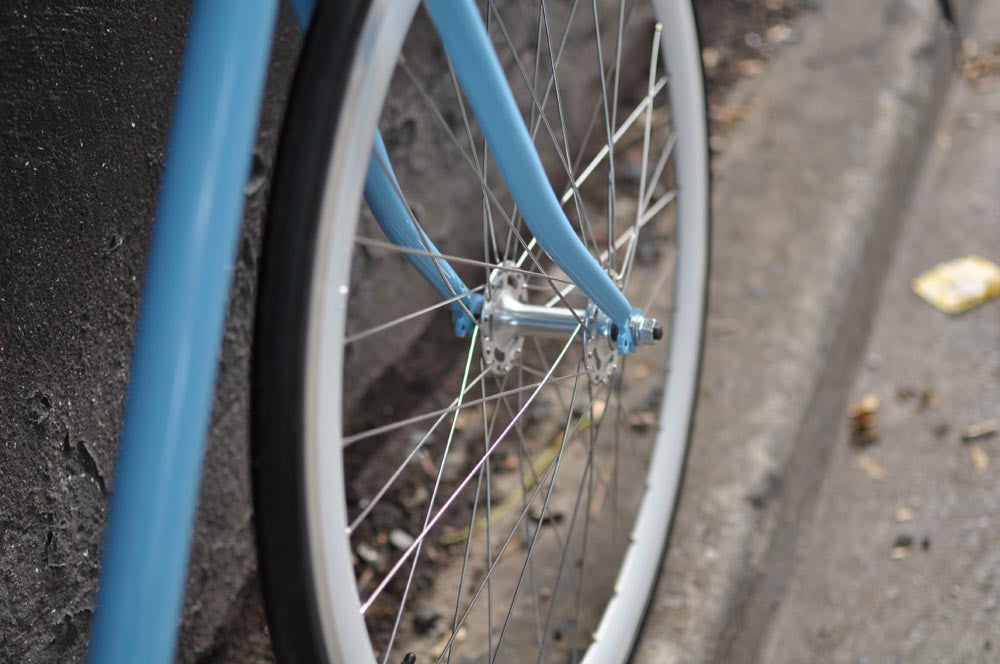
536	122
424	238
437	517
563	158
522	453
661	278
611	143
545	367
658	171
480	167
587	470
434	492
569	193
580	208
465	559
659	205
653	59
618	61
594	430
385	428
488	426
451	134
410	316
541	519
409	457
603	152
622	239
513	531
534	98
489	523
389	246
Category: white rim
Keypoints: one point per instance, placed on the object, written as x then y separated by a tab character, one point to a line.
640	567
337	599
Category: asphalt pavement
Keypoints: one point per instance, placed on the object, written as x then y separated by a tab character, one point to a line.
859	160
901	558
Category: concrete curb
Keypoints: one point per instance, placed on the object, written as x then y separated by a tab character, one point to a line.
807	200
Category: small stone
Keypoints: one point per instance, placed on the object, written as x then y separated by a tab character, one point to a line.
400	539
779	34
367	553
710	57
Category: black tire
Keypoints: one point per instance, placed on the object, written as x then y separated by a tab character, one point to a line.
279	335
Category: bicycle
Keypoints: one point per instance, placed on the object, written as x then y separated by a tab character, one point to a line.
556	289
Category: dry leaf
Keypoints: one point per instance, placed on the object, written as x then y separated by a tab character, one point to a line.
983	429
902	547
710	57
929	399
871	468
979	458
864	428
899	552
904	512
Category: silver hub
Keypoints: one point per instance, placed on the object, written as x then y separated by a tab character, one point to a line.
600	352
501	341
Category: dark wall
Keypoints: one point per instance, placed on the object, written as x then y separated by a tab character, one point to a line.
86	89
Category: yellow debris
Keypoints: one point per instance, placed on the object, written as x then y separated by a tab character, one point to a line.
980	460
871	468
960	284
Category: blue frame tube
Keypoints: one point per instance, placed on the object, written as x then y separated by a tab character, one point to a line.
383	195
467	43
180	331
382	192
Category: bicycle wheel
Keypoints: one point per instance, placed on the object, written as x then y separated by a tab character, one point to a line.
420	493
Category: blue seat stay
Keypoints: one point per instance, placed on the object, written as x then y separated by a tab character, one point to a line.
463	33
383	194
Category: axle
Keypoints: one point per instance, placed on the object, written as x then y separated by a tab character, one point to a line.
506	320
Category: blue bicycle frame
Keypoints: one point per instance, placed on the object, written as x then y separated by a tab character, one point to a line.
188	278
